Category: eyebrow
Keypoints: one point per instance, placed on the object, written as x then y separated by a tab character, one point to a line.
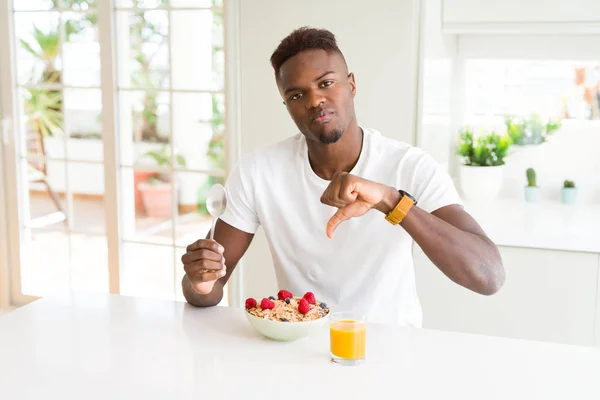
316	79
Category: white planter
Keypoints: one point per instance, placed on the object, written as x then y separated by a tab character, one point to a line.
481	183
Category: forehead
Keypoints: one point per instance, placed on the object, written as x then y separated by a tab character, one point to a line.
307	65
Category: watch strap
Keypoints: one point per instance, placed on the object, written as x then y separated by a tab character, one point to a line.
397	214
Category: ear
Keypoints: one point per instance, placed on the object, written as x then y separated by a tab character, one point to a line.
352	83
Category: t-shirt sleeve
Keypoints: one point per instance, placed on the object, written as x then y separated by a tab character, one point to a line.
241	207
431	185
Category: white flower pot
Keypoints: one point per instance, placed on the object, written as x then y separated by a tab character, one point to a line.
481	183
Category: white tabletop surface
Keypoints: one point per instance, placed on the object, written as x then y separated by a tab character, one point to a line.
115	347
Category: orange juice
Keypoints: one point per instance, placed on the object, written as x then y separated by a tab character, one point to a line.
348	339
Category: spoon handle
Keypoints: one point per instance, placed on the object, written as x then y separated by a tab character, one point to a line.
212	230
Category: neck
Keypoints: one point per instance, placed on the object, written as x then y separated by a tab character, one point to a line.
327	159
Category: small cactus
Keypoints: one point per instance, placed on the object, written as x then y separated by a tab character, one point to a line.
531	177
568	184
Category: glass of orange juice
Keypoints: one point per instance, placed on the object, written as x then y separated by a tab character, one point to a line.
348	338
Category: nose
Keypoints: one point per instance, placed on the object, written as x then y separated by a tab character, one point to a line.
314	99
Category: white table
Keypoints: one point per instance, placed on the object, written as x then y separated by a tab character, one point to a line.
114	347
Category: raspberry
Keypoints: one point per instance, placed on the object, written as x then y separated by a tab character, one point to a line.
284	294
267	304
310	297
303	306
250	303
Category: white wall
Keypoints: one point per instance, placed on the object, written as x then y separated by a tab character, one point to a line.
379	41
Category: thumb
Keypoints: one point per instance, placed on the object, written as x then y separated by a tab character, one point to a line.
341	215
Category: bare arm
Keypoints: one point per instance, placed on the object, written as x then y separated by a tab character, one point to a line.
456	244
205	289
449	236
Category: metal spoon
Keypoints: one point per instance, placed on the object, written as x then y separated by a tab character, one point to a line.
216	203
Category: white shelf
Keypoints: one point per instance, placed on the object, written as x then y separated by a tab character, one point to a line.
543	225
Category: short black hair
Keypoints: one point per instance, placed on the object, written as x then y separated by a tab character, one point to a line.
303	39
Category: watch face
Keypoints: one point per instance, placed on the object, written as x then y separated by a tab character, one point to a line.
402	192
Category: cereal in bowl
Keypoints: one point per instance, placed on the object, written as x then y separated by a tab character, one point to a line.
287	308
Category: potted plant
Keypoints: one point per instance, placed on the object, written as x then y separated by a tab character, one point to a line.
532	131
568	192
532	191
482	165
156	192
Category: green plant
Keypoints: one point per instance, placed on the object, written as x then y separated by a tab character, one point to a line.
162	157
534	130
41	107
143	32
531	182
515	128
553	125
569	184
485	150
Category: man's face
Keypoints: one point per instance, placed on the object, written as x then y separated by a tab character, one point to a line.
318	93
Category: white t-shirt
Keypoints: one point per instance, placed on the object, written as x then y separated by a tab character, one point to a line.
367	266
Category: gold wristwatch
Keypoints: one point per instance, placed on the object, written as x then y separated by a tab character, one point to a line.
398	213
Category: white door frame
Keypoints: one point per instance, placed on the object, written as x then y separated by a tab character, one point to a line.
231	11
11	125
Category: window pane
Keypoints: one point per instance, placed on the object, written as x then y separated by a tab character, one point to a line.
143	52
86	183
523	88
194	222
199	129
38	47
83	123
81	50
89	255
34	4
146	206
79	5
192	3
140	3
44	183
144	127
148	271
41	110
197	64
42	274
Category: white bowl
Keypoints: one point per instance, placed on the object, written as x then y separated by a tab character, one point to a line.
286	331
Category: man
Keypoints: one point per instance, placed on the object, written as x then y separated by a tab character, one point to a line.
337	203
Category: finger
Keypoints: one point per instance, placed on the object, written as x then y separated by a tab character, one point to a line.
205	244
203	277
343	214
202	254
347	194
330	193
202	265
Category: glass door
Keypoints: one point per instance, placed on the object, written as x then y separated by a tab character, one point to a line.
110	207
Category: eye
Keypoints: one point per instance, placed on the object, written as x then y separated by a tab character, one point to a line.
295	96
327	83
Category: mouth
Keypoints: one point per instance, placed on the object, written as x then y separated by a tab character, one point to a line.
323	117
